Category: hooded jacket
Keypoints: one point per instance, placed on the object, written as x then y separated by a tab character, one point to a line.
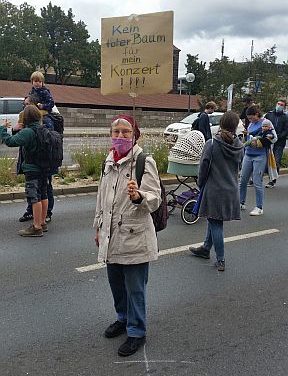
126	230
221	193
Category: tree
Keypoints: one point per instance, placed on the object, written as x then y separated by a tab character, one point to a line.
193	66
265	78
21	45
66	41
91	65
221	74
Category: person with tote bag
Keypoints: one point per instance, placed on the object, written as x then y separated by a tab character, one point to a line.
218	176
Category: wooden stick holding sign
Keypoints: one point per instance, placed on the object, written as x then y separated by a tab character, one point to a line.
137	56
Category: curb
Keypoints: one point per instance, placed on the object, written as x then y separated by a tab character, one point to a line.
5	196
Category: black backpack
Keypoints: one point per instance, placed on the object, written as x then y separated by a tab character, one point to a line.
49	152
160	215
195	124
58	122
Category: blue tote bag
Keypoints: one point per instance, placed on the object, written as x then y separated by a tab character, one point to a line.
196	207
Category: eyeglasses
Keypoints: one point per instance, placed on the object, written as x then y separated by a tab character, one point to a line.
125	132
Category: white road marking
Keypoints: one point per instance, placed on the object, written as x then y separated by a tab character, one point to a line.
154	361
183	248
146	360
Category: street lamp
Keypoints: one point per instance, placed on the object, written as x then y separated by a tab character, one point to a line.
190	77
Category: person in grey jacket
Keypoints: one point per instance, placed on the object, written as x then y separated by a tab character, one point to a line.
125	232
218	178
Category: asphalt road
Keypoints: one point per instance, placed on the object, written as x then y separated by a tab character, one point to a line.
200	321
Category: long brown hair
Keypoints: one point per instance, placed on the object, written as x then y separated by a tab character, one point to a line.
228	125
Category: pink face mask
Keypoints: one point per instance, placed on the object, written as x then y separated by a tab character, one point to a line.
122	145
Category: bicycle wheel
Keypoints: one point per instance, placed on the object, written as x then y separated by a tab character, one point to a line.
171	202
186	212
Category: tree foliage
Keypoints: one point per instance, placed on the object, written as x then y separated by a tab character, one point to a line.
261	77
198	68
51	42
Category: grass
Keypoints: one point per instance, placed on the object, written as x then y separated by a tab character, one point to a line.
8	176
90	161
284	160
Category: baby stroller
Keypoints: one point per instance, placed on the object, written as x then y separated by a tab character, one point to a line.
183	161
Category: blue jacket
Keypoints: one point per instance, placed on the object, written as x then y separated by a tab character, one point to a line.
44	97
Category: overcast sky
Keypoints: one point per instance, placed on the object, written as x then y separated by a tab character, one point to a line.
199	26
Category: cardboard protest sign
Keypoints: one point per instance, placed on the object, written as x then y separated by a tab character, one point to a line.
137	54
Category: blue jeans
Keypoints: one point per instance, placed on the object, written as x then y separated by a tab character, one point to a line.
128	286
48	122
214	236
256	166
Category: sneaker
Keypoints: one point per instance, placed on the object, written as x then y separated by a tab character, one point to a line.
250	183
270	185
242	207
131	345
200	252
31	231
115	329
44	227
220	265
256	211
48	218
26	217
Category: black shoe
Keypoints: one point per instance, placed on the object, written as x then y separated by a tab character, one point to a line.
220	265
200	252
250	183
26	217
271	184
115	329
131	345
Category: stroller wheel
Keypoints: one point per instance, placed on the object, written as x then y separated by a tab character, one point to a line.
171	203
186	212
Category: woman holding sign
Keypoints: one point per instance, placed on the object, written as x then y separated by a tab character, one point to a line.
125	233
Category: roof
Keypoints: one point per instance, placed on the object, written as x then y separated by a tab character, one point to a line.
74	96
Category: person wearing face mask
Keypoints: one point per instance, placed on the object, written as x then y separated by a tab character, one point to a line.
125	233
280	122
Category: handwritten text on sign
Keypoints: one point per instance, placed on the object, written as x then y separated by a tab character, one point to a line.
137	54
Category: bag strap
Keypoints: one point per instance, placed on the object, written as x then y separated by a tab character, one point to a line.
140	167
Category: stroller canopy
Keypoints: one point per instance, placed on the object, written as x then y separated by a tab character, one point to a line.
188	148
